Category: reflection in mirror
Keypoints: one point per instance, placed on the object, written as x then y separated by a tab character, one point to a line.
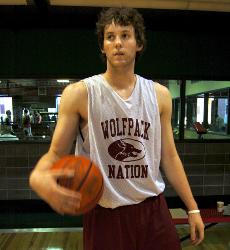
207	110
29	108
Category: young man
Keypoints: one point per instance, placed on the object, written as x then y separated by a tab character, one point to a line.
26	123
125	123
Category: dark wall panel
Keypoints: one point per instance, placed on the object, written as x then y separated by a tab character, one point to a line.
57	53
44	53
187	54
7	53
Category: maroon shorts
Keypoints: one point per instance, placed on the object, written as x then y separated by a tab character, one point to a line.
144	226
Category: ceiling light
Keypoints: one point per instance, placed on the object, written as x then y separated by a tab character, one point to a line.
63	81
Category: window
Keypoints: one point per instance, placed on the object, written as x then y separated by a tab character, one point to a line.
174	88
33	104
196	104
207	103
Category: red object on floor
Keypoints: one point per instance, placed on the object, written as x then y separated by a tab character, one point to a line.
200	129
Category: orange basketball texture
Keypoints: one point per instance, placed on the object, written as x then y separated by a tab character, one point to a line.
87	180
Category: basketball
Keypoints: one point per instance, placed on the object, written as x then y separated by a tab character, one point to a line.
87	180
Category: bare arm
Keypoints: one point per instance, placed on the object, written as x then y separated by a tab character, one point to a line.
172	165
42	180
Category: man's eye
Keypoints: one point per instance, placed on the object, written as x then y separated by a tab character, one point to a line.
110	37
125	36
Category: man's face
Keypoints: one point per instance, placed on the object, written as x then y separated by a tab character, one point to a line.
120	45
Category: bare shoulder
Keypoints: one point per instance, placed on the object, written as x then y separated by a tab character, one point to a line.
75	91
161	90
163	97
74	97
77	88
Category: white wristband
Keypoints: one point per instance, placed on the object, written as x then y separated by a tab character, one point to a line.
194	211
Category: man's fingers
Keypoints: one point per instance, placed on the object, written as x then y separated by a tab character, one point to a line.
199	237
63	173
67	201
69	193
196	236
67	208
192	233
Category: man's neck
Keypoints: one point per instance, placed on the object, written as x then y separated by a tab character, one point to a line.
120	78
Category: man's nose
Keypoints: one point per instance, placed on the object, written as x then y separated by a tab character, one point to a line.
118	41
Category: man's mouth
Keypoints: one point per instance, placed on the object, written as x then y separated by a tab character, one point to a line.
119	54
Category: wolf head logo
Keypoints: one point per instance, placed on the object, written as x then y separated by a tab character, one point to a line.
126	150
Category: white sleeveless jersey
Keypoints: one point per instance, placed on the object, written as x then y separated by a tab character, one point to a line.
124	140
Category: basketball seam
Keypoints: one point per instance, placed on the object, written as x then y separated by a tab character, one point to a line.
96	199
85	177
98	194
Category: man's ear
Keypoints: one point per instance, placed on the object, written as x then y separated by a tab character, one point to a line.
139	48
102	49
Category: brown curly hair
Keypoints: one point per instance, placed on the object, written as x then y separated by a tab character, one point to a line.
123	16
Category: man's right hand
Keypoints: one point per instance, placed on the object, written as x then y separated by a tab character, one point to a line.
61	199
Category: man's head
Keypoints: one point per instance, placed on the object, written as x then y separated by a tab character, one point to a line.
8	112
122	17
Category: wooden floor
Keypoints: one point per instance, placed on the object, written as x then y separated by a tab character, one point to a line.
41	241
216	238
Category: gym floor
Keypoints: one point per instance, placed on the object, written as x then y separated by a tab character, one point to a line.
216	238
